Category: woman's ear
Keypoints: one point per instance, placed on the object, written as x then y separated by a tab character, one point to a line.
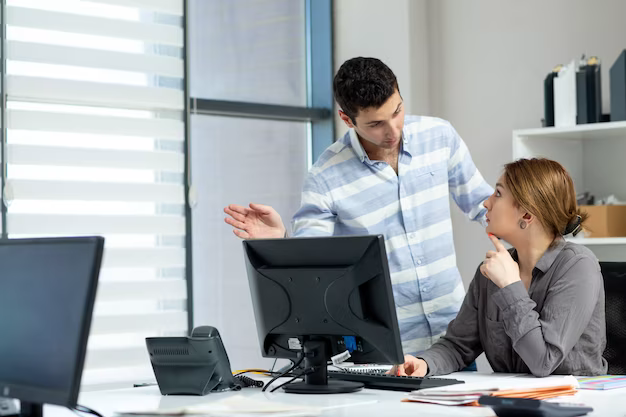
528	218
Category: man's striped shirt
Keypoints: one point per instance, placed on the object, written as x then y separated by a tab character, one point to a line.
346	193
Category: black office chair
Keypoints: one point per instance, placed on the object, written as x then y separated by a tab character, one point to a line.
614	274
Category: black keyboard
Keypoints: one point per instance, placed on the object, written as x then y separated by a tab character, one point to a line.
379	380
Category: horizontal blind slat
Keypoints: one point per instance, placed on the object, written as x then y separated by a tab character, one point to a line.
174	7
92	158
90	25
117	357
161	289
59	224
102	125
135	323
143	257
48	90
94	58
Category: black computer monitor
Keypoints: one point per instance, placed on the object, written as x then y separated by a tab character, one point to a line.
47	292
313	296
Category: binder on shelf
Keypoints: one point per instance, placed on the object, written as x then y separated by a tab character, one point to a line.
565	96
548	97
617	77
589	92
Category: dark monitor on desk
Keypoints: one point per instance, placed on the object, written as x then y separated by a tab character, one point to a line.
319	297
47	292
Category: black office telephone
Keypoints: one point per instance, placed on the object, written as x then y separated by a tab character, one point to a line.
194	365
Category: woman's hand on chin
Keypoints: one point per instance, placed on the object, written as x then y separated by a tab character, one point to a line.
499	266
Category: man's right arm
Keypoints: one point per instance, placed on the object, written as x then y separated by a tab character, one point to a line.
467	186
316	216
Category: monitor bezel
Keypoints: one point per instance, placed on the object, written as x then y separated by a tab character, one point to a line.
37	395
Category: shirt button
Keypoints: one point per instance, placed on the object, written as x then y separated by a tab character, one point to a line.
419	261
432	173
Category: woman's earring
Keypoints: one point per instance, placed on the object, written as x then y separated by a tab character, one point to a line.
522	224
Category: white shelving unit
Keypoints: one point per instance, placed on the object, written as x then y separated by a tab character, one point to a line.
599	241
595	157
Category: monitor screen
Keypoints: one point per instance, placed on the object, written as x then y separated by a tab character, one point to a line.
332	290
47	291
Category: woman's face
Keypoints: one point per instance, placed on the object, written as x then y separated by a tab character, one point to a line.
503	215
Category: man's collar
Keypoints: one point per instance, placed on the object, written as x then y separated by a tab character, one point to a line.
360	151
356	145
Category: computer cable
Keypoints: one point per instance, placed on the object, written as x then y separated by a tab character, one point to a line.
246	382
291	368
253	371
305	372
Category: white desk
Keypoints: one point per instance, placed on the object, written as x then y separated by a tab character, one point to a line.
372	402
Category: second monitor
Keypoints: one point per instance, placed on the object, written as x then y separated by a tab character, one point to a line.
319	297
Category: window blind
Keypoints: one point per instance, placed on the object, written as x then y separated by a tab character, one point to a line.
95	146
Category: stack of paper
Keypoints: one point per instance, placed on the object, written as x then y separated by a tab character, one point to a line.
602	382
526	386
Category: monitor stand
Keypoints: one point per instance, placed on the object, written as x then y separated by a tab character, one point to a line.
28	409
316	382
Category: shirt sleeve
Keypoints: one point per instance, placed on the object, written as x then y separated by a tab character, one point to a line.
543	340
315	216
468	188
461	343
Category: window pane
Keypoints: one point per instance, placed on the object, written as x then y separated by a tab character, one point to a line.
238	161
248	50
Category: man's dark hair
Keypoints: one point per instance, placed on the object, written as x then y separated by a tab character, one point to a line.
361	83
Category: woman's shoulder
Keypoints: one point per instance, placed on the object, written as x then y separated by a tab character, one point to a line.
575	253
571	249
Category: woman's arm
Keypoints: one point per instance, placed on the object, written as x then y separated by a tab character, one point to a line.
461	344
544	340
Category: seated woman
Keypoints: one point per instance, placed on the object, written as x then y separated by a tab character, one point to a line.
539	307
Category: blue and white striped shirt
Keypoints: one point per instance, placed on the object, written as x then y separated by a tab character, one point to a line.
346	193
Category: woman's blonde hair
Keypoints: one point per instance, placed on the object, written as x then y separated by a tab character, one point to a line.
543	188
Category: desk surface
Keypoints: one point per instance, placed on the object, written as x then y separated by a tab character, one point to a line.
364	403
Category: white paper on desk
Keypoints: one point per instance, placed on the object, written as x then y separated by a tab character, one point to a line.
445	402
233	406
492	382
565	110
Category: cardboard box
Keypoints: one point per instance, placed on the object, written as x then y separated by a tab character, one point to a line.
605	221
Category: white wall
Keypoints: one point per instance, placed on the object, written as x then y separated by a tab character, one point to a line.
386	30
488	62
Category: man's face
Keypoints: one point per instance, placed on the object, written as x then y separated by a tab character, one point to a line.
381	127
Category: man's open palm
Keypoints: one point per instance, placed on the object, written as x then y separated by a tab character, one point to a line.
256	222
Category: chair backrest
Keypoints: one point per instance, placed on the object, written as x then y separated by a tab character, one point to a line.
614	274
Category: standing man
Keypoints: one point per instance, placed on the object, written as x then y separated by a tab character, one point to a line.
389	175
